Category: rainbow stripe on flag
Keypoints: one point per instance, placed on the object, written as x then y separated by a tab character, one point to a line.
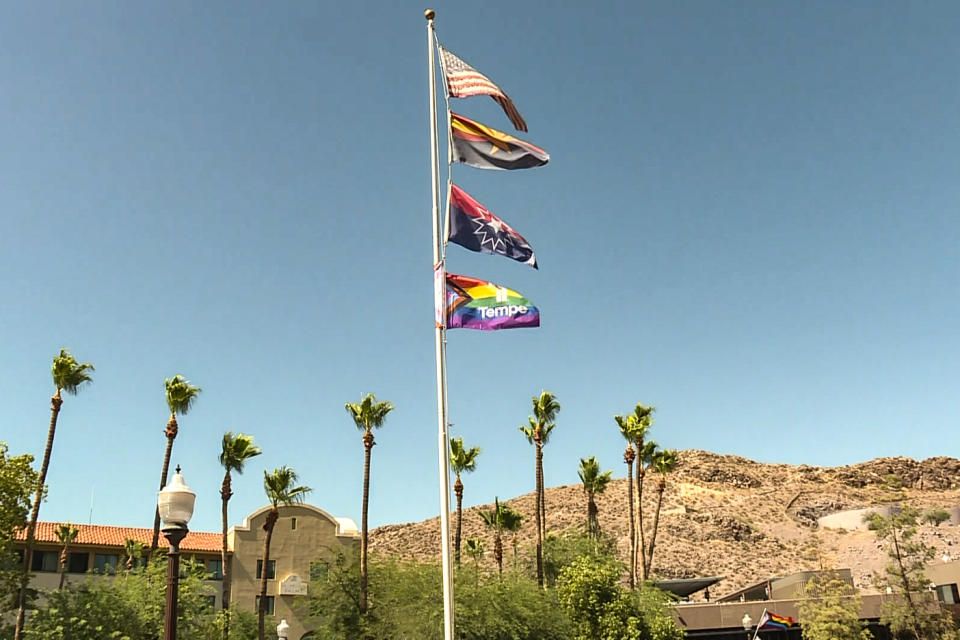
477	304
770	620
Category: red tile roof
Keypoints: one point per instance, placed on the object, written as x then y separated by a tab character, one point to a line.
105	536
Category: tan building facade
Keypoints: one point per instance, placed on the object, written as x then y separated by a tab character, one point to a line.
303	535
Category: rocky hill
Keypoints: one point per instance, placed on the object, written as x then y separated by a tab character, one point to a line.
733	517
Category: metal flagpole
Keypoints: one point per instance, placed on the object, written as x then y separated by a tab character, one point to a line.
439	290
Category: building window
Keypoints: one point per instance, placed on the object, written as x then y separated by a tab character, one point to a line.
78	562
271	569
210	601
947	594
293	523
319	570
46	561
269	605
105	562
215	569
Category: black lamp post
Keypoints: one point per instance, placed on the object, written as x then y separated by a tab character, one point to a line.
175	503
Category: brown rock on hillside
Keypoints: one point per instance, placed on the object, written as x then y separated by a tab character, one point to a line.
728	516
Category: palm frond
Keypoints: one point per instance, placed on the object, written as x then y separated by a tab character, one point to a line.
665	461
68	374
180	394
280	487
529	431
369	414
66	533
462	460
236	450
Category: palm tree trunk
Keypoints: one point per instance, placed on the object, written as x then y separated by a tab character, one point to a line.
633	534
63	566
368	443
171	432
641	565
262	609
593	524
458	491
656	523
539	473
55	402
226	491
498	552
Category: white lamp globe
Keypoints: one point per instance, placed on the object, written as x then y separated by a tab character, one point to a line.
283	629
175	502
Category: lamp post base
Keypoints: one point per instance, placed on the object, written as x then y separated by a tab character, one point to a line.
174	535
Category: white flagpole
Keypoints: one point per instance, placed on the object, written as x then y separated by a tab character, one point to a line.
439	289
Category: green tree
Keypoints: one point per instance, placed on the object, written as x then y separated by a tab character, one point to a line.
282	489
511	520
17	481
908	616
936	516
367	416
664	463
66	534
462	460
830	610
235	451
601	609
594	483
625	426
475	548
537	431
133	550
129	606
180	395
493	518
70	376
636	425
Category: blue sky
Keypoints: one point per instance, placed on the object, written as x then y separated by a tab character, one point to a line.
749	221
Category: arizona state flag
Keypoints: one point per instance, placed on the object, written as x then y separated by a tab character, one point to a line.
484	148
473	227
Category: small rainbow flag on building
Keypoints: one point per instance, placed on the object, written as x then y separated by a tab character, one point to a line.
770	620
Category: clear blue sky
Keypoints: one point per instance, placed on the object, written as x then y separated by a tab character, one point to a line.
750	221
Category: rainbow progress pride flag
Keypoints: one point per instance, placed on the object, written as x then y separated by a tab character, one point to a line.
477	304
770	620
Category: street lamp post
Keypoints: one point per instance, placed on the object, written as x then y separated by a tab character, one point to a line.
747	622
175	503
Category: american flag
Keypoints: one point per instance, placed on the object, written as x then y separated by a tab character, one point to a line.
464	81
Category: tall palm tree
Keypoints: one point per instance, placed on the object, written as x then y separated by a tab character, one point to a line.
462	460
511	520
594	483
70	376
367	415
629	455
664	463
234	453
641	420
493	518
180	398
66	534
537	431
281	489
645	457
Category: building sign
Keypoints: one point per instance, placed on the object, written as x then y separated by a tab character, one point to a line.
293	585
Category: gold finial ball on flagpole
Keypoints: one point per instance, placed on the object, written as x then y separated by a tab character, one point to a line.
428	14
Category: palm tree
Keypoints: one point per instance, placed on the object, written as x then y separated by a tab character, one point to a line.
367	415
629	455
475	548
594	483
494	520
645	457
281	489
66	534
664	463
133	549
462	460
511	520
180	398
70	376
640	421
235	452
537	431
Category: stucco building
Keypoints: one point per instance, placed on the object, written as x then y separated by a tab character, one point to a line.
302	535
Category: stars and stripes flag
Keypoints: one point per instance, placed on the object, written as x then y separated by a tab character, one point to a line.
474	227
463	81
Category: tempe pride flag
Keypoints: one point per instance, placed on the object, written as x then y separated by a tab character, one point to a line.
471	303
473	227
480	146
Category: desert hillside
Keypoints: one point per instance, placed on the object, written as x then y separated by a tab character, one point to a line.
733	517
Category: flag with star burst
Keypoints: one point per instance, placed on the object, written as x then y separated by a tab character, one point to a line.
480	146
473	227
